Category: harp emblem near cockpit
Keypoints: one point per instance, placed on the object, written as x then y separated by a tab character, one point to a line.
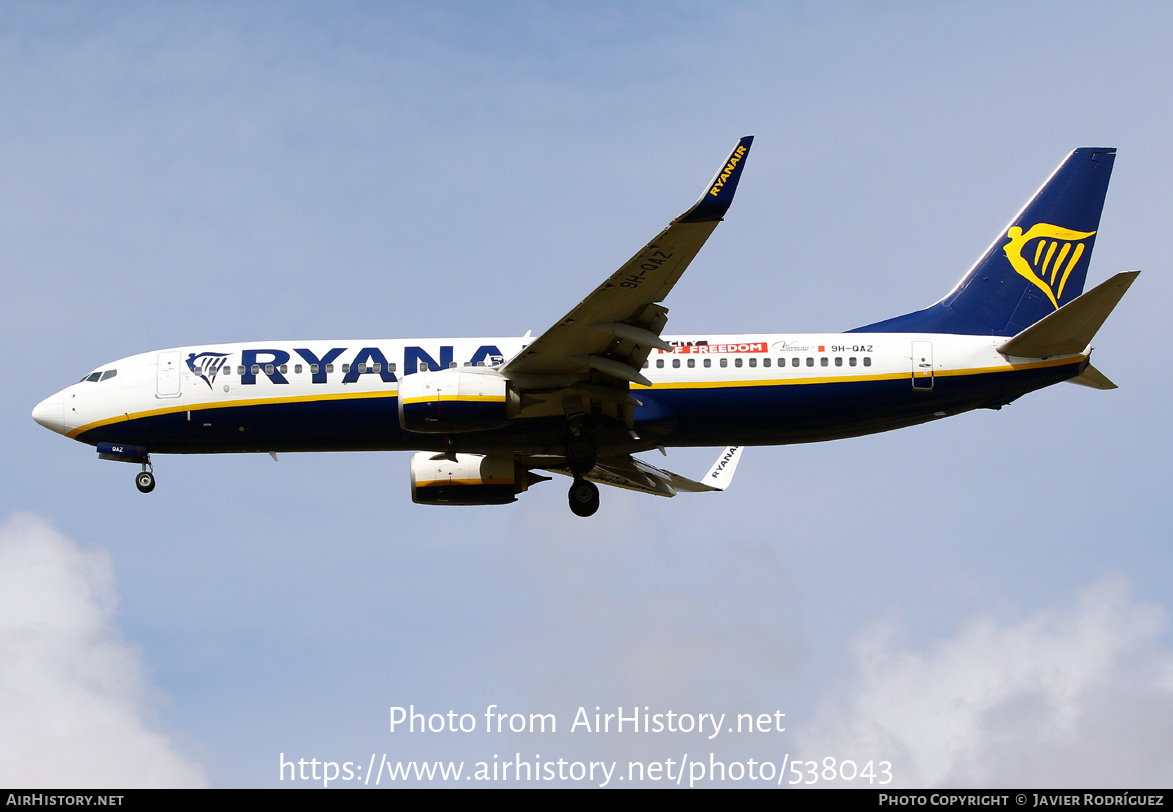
206	365
1050	259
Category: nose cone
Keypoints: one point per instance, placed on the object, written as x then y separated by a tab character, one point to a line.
50	413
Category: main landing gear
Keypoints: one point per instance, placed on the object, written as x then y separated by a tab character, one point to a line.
144	480
584	498
581	454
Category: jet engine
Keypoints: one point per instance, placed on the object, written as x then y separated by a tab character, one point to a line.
454	400
470	479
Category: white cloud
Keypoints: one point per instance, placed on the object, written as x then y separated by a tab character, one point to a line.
75	706
1076	697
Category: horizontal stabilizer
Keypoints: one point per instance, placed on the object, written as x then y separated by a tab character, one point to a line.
1071	328
1094	378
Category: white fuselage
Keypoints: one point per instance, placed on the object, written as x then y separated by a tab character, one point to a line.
921	376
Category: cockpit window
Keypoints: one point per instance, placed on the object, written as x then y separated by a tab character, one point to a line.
100	375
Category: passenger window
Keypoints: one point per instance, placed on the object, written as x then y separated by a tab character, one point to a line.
851	361
346	368
867	362
284	368
659	363
647	364
724	363
753	362
737	362
691	363
810	362
314	369
361	368
794	361
329	368
240	370
377	367
838	361
297	369
256	369
391	367
765	362
676	363
824	361
708	362
268	369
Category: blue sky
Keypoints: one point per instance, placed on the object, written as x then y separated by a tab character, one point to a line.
982	601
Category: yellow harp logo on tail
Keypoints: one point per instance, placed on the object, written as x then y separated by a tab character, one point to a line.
1050	260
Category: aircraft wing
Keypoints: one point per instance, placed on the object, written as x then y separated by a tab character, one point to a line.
613	329
633	474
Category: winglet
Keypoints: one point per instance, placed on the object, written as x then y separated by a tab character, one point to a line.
721	474
719	193
718	477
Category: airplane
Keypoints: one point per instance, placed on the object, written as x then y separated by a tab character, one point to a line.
487	417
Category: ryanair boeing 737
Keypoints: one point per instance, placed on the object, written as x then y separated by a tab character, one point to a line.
487	415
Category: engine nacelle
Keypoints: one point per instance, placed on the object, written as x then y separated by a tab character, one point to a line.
454	400
469	480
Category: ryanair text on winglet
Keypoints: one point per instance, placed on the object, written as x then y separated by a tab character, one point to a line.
734	160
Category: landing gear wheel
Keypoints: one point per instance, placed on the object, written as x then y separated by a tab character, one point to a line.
144	481
584	498
581	454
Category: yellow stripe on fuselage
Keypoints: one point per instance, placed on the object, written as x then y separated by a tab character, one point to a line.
456	399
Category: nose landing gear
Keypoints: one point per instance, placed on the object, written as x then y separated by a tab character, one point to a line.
144	480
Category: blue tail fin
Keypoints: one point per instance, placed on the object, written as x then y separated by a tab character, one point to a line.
1037	264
